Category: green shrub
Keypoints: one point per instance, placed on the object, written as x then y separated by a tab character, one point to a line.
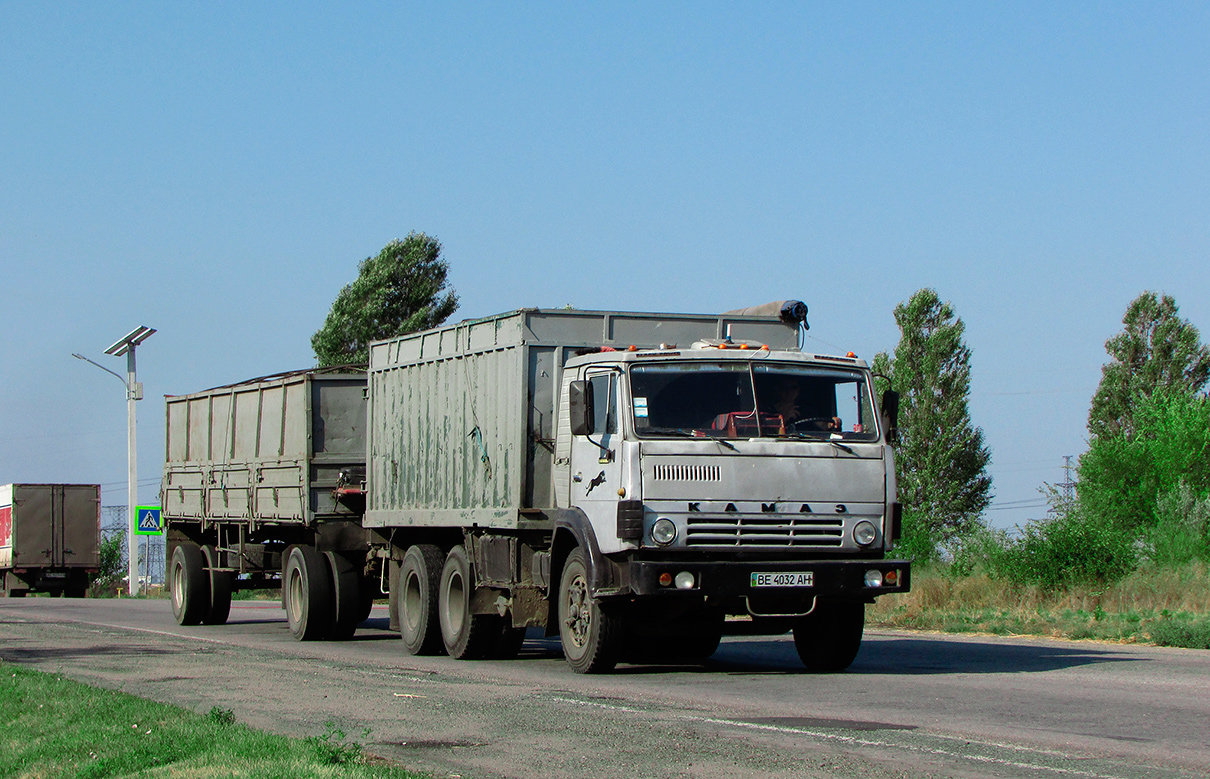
1188	633
1062	552
1182	529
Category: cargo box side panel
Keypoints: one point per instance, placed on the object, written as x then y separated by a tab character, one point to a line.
81	525
245	452
449	435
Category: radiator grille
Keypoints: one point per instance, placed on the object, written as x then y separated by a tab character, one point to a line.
686	473
763	530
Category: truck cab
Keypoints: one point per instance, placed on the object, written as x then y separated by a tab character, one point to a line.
731	485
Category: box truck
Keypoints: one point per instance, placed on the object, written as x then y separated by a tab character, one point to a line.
49	538
639	484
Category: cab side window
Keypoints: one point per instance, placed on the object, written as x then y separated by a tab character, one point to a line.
605	404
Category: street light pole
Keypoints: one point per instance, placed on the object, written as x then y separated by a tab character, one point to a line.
134	391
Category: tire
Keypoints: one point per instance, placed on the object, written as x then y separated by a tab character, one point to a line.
829	638
221	583
369	593
346	596
466	636
188	582
419	582
307	592
592	639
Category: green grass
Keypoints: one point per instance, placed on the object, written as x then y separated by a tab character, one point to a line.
51	727
1167	607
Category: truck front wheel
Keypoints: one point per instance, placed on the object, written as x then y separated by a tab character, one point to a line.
466	636
829	637
189	584
307	590
419	581
592	639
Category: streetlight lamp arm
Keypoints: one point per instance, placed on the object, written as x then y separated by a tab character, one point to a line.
102	367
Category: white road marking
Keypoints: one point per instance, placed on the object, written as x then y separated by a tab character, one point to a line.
866	742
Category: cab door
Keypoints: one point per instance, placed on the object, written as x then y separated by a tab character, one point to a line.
596	470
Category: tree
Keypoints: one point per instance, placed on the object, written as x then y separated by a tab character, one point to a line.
402	290
1123	478
1156	349
941	459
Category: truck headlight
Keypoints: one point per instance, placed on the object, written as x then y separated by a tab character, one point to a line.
864	533
663	532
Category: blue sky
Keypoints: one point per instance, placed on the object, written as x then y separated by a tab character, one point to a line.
217	170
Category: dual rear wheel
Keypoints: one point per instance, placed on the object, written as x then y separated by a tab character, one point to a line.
434	603
322	592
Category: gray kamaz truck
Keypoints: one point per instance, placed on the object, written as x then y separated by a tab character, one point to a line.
638	484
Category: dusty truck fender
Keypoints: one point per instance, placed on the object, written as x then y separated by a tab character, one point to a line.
572	529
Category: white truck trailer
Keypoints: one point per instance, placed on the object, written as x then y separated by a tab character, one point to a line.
637	483
49	538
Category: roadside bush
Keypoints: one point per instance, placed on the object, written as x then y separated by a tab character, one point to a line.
1070	549
1187	633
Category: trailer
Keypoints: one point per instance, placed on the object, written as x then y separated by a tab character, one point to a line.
49	538
258	475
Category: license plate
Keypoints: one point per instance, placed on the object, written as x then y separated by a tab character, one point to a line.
775	579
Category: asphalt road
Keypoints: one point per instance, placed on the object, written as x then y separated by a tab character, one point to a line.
911	706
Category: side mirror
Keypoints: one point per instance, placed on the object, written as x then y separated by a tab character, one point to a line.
579	407
890	412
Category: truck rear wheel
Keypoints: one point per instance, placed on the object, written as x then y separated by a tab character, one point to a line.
187	581
307	591
466	636
592	639
221	584
346	591
419	582
829	637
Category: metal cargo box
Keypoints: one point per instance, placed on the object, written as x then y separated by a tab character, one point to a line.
49	525
267	450
462	418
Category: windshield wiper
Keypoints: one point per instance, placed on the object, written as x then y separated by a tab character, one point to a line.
676	431
808	437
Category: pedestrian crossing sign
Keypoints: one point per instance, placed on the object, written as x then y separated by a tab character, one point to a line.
149	523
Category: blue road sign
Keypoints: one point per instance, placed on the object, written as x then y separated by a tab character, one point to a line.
149	523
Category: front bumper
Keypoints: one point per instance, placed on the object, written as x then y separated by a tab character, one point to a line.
842	579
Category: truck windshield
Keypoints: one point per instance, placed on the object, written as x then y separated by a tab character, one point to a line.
746	400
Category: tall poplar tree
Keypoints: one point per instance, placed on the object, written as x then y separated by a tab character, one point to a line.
941	460
402	290
1155	350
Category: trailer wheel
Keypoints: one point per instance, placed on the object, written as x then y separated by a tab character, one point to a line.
346	591
419	582
369	590
592	639
187	580
221	584
829	637
466	636
307	591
